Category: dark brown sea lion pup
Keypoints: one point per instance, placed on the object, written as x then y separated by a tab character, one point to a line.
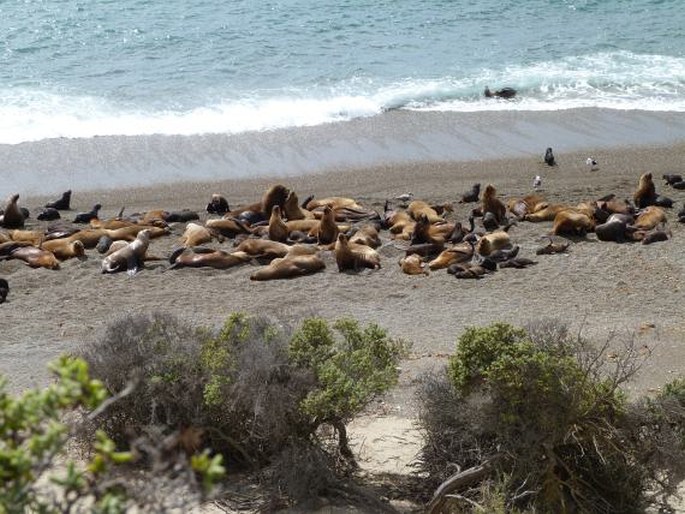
130	257
672	178
290	266
490	203
472	269
86	217
48	214
656	235
517	262
505	92
62	204
218	205
4	290
350	256
552	247
471	195
12	216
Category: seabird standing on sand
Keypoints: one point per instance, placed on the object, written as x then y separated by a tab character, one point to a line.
592	164
549	157
537	182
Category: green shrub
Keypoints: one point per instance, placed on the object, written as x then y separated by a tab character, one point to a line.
549	411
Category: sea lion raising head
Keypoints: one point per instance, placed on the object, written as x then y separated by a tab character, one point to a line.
13	216
130	257
62	204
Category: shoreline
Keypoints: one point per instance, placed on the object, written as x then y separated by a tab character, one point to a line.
394	138
604	289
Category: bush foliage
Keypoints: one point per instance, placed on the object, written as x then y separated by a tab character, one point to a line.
548	410
253	389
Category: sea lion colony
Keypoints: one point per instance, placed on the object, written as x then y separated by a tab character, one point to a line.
287	239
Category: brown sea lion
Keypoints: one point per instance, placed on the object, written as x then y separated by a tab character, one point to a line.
31	255
228	227
12	217
130	257
62	204
433	233
517	262
199	257
349	256
572	223
366	235
472	270
461	252
278	230
292	209
327	231
263	248
649	218
413	265
552	247
35	237
519	207
334	202
419	208
129	233
65	249
490	203
645	194
547	213
289	267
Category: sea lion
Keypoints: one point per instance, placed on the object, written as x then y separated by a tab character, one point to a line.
645	194
517	262
649	218
656	235
31	255
263	248
413	265
62	204
4	290
292	209
85	217
505	92
678	185
48	214
493	241
672	178
278	230
35	237
350	256
472	270
547	213
471	195
327	231
130	257
289	267
182	216
552	247
419	208
549	157
366	235
195	235
572	223
217	205
461	252
490	222
228	227
519	207
504	254
334	202
490	203
663	201
426	232
12	216
104	244
65	249
206	257
614	229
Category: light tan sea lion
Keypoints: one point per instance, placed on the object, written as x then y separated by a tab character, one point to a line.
519	207
649	218
289	267
302	225
419	208
433	233
205	257
12	217
64	249
130	257
493	241
334	202
195	235
35	237
413	265
129	233
355	256
263	248
645	194
228	227
292	210
366	235
547	213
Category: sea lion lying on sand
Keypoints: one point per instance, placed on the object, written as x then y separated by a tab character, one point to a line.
290	266
351	256
130	257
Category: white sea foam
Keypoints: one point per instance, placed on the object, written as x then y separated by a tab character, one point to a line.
618	80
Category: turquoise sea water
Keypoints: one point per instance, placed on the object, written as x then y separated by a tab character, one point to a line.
81	68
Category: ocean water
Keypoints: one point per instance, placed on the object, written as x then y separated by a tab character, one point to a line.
80	69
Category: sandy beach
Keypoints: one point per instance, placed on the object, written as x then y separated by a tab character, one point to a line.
605	290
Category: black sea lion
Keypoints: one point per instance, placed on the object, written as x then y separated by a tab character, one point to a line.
130	257
549	157
48	214
505	92
4	290
86	217
671	178
471	195
62	204
12	217
655	235
218	205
